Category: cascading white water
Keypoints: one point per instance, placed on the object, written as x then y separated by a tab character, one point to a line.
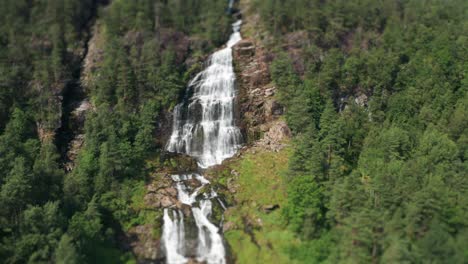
203	128
174	236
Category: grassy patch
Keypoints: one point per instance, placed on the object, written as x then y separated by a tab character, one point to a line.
260	237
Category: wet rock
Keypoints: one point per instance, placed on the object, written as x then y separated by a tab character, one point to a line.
167	201
161	193
270	208
177	163
186	209
193	183
170	191
205	190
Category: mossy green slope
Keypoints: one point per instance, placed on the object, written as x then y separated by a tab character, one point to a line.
255	236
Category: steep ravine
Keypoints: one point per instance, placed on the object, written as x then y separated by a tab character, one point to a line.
69	137
244	183
264	134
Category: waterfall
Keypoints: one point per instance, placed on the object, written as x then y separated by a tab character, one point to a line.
173	237
204	128
230	5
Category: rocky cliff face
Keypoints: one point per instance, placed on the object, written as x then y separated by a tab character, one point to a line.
79	105
259	112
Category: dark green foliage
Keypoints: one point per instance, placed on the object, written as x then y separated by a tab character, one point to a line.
379	117
15	192
380	124
38	235
304	209
47	174
50	215
66	252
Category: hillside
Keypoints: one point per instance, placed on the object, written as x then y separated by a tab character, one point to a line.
247	131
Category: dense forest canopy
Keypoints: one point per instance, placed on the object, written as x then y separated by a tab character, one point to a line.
377	102
47	215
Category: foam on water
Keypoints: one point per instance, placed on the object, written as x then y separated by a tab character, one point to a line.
204	128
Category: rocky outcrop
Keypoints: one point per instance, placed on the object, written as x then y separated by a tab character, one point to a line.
161	192
76	123
275	137
93	58
252	80
80	107
78	116
178	163
258	108
143	244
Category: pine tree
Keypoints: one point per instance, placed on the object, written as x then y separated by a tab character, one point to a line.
286	80
106	169
78	185
58	51
66	252
40	231
15	192
86	226
144	138
48	176
126	90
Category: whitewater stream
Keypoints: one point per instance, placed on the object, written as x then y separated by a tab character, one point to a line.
204	128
